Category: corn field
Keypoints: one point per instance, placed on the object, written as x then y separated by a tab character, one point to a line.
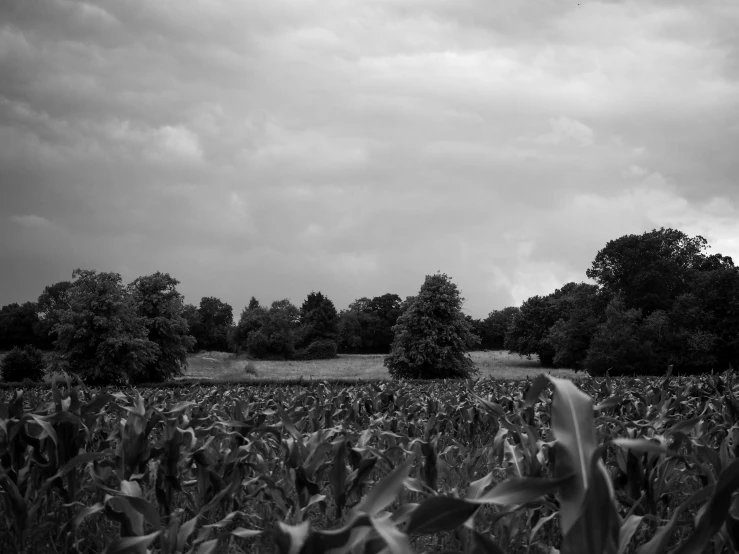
630	465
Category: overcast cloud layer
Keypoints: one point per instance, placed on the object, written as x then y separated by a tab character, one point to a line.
275	147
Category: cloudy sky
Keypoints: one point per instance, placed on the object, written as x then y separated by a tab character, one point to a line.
275	147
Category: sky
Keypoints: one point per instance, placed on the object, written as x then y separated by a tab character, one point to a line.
271	148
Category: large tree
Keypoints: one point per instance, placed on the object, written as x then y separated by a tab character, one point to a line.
18	324
493	328
212	326
276	335
432	336
366	326
252	319
49	305
318	319
157	300
101	337
650	270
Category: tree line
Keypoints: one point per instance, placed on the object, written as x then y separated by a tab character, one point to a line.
658	300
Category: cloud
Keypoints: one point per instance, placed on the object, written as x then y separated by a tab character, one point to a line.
31	221
564	128
274	148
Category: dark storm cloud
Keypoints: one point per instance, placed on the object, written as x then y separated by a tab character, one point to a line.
271	148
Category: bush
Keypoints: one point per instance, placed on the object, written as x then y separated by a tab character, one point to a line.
318	350
250	369
23	364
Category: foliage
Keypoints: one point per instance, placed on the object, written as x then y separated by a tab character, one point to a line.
323	349
606	466
20	364
157	300
252	319
49	306
528	332
275	331
318	319
213	324
650	270
366	327
18	326
582	309
101	337
192	317
432	336
618	345
492	329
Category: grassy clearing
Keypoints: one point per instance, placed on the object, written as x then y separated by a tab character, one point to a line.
497	364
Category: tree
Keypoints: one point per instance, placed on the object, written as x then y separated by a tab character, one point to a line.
157	300
49	305
529	331
21	364
571	335
494	326
366	326
619	344
192	317
432	335
650	270
318	319
17	326
349	337
213	325
252	319
276	336
387	310
101	337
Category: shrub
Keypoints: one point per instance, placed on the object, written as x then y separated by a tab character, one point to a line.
250	368
318	350
22	364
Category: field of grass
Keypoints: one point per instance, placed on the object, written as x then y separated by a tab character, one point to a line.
497	364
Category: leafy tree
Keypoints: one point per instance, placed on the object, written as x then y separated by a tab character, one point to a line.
650	270
387	309
318	318
157	300
432	335
276	336
493	328
619	345
49	305
20	364
349	337
252	319
213	325
528	332
582	310
17	326
367	325
192	316
101	337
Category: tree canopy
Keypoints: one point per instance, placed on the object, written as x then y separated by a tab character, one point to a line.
432	336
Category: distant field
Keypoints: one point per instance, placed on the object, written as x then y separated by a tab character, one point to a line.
221	365
498	364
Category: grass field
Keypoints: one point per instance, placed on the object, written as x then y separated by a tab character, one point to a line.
498	364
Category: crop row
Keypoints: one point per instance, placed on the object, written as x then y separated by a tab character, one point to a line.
610	466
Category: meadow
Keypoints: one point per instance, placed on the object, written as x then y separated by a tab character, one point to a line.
496	364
